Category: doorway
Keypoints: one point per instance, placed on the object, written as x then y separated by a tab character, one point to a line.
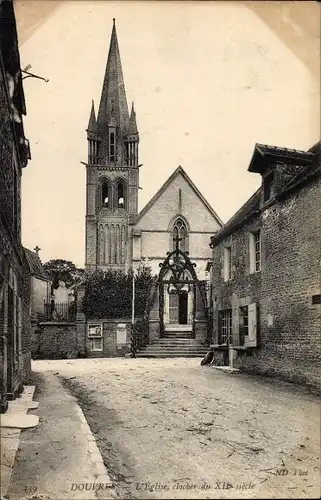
182	308
178	308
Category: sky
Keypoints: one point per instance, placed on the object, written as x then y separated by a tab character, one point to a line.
209	80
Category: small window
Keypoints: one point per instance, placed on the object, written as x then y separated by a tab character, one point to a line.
105	195
268	187
120	195
257	241
225	327
316	299
255	251
227	263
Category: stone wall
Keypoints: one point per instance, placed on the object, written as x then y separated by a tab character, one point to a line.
55	341
114	341
14	270
289	326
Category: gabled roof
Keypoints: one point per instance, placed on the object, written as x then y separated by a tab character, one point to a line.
311	168
178	171
35	265
263	154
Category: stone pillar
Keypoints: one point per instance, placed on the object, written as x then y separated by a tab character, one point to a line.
80	323
200	331
3	375
200	313
200	323
154	322
166	306
215	321
190	307
235	330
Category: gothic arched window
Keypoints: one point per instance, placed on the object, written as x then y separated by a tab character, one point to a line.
121	195
180	234
105	194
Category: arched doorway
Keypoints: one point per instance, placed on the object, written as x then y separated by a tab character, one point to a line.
177	282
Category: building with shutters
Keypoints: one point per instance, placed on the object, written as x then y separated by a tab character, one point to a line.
266	271
15	359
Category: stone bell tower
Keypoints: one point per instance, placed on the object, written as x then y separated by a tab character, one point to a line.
112	171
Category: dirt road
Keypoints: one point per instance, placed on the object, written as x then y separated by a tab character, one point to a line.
173	429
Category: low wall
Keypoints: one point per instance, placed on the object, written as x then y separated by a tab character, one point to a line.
278	363
53	340
108	338
94	338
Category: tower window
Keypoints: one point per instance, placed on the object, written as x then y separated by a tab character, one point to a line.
105	195
112	145
180	235
120	195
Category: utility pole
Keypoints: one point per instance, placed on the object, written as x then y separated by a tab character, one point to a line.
133	299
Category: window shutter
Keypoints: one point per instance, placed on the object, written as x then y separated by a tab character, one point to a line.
20	329
252	253
252	335
235	324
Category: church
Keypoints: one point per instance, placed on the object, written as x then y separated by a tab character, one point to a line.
177	217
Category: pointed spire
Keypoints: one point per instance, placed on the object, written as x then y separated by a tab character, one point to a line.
92	124
132	129
113	96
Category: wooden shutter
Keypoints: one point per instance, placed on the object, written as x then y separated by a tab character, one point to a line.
252	253
252	335
19	330
235	324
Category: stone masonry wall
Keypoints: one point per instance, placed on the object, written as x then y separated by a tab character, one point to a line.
111	345
291	248
289	327
55	341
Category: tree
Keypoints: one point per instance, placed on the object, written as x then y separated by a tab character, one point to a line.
63	270
109	294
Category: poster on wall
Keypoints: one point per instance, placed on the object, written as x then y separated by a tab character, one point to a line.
121	334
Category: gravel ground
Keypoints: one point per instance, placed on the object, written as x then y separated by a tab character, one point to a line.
169	428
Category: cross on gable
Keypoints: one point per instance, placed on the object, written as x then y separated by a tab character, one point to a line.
37	249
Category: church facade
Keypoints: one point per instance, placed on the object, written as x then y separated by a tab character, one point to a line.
117	235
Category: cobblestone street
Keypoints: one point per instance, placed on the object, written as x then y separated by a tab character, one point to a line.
173	429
